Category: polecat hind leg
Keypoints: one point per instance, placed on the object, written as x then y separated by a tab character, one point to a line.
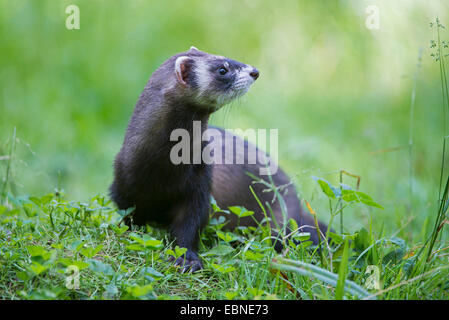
232	184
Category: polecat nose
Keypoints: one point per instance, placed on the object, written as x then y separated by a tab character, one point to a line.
254	74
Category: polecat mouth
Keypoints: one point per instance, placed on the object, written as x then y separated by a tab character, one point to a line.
242	86
243	81
233	93
238	88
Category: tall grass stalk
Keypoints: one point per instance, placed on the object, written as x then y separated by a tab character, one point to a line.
443	195
442	192
6	179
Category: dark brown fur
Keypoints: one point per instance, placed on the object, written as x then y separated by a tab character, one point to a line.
178	196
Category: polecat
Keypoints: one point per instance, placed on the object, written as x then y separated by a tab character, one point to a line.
186	88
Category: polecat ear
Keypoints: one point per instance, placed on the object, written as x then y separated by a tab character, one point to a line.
194	48
182	67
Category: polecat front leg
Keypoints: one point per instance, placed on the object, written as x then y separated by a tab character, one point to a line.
186	228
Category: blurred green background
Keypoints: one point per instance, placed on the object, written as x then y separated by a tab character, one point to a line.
338	92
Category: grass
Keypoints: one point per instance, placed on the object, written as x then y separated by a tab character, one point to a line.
44	239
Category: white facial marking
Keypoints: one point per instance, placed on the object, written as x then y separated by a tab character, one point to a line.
203	76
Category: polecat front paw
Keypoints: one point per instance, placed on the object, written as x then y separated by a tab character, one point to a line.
188	262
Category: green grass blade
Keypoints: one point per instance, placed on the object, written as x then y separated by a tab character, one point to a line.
342	273
309	270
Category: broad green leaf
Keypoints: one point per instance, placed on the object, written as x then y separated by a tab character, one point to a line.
222	268
304	244
91	252
180	251
226	236
76	245
220	250
360	197
69	262
23	275
135	247
153	244
80	264
170	252
37	268
396	254
36	250
251	255
214	205
124	213
101	267
255	292
146	241
36	201
231	295
241	211
329	190
293	224
119	230
139	291
57	246
47	198
45	294
151	274
340	238
110	292
301	236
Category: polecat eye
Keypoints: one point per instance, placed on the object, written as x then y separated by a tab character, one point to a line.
222	71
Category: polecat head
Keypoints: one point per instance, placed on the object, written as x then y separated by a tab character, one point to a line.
211	81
